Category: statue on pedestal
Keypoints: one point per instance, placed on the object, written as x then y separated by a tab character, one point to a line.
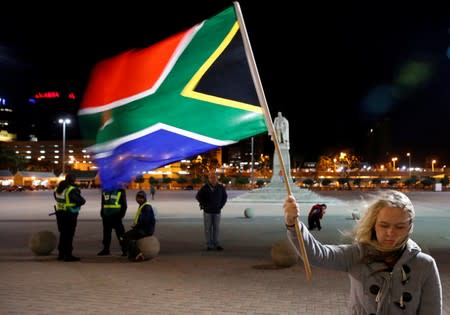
281	126
276	189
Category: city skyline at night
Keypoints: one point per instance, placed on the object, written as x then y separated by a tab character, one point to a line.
346	77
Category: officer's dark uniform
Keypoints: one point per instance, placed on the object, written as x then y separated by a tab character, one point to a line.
68	203
113	209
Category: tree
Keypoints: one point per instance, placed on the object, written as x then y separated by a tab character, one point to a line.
196	180
259	183
325	182
242	180
9	160
224	179
445	181
308	182
139	180
182	180
325	163
410	181
427	182
153	181
343	181
357	182
376	181
393	182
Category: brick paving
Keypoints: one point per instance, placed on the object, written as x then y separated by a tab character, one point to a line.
183	279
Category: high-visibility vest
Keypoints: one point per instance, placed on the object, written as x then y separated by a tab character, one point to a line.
138	213
63	201
111	203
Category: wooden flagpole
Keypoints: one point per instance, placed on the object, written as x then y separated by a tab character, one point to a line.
271	129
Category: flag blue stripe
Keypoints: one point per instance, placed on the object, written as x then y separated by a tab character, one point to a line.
146	153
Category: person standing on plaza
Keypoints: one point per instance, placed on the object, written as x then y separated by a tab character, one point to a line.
113	209
68	203
143	226
315	215
153	192
389	274
212	197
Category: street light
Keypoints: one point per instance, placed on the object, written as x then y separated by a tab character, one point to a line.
432	165
64	121
409	158
393	162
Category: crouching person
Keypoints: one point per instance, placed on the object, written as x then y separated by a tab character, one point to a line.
144	225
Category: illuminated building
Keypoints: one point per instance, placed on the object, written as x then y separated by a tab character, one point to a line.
7	121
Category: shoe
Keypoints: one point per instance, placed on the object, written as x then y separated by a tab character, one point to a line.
60	257
71	258
104	252
124	254
209	248
139	257
219	248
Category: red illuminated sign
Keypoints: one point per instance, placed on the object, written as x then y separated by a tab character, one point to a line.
53	94
46	95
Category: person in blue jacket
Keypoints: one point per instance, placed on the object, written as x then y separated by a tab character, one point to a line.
389	274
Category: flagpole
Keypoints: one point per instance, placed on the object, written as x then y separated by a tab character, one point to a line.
271	129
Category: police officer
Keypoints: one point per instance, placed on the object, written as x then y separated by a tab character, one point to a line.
68	203
113	209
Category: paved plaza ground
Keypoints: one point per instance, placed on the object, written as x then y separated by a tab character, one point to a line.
185	278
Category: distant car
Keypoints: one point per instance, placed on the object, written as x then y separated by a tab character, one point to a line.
189	187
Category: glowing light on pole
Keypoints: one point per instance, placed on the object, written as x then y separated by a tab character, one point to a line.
409	160
393	162
64	122
432	165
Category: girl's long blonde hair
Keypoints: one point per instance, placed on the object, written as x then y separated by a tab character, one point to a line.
364	231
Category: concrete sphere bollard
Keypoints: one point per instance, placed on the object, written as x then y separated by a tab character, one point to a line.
356	215
43	243
149	246
249	213
283	255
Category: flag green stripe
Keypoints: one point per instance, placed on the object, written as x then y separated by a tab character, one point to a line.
169	107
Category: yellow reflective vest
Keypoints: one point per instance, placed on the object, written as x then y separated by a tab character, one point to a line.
138	212
63	201
111	203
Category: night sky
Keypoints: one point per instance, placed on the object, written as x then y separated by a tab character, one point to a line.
334	70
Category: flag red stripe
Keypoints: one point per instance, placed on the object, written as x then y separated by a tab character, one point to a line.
129	73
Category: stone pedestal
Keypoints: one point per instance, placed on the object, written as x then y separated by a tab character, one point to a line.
277	176
276	190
